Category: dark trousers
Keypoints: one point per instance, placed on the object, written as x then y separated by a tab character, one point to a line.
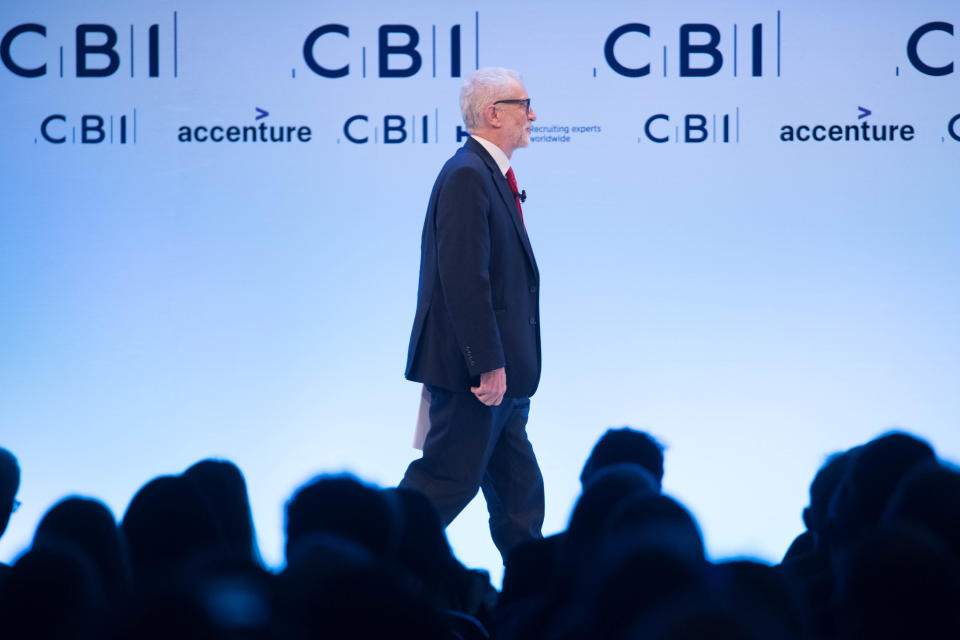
471	446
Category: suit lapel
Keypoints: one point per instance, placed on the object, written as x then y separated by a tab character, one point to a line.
507	196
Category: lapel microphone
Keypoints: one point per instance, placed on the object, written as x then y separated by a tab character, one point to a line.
523	195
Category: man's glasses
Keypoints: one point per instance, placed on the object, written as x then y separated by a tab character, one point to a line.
523	102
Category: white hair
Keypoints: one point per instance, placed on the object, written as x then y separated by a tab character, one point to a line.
482	87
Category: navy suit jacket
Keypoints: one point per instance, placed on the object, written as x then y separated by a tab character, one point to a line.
478	299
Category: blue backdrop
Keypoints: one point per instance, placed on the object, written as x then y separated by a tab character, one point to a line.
211	216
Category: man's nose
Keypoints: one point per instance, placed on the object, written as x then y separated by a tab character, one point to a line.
531	116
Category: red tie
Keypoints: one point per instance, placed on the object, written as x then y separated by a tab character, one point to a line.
512	181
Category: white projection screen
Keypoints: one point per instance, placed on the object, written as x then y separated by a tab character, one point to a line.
745	216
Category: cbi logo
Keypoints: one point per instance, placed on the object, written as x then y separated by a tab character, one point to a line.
692	128
930	34
396	129
93	129
402	50
96	50
636	50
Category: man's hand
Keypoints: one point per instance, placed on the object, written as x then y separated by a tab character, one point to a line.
493	384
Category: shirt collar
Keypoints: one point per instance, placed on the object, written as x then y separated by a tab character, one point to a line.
503	162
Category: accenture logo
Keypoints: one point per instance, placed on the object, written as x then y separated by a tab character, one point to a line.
851	132
261	133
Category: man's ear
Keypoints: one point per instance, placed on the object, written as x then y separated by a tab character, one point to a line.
492	117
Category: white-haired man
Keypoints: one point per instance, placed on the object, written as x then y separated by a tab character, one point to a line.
476	335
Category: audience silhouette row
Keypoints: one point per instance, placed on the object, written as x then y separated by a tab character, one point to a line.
879	559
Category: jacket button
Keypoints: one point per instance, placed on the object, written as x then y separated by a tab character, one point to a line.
533	320
533	288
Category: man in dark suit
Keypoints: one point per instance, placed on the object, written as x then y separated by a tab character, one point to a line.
476	335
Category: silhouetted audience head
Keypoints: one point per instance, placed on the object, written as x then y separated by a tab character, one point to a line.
898	581
166	523
929	497
336	588
221	484
422	548
422	544
606	488
588	555
529	571
217	594
9	483
342	505
657	518
432	571
52	591
815	515
823	487
89	525
625	445
869	481
633	572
